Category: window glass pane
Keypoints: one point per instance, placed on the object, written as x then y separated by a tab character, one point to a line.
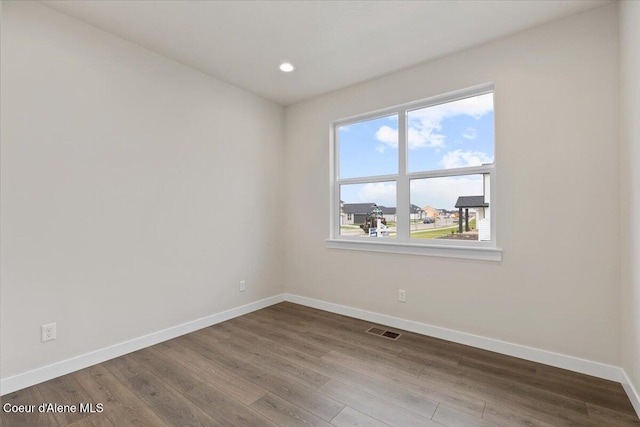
368	210
451	135
369	148
455	207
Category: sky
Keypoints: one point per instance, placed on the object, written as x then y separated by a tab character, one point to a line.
445	136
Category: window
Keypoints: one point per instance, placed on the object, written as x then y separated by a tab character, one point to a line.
417	178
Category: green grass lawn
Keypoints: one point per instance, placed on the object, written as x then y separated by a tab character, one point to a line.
350	227
434	234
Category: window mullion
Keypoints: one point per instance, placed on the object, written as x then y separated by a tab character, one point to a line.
469	170
334	167
402	186
368	179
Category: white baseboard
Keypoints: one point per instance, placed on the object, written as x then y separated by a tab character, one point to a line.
633	394
588	367
596	369
571	363
54	370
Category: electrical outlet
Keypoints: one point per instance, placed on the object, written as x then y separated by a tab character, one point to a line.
48	332
243	285
402	295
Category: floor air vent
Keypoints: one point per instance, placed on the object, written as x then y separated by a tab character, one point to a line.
384	333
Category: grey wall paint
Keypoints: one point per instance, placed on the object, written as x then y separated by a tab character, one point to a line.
630	194
558	288
136	192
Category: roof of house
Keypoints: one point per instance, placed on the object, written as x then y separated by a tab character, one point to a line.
414	209
471	202
358	208
387	211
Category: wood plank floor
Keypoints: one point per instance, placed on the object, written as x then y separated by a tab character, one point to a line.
289	365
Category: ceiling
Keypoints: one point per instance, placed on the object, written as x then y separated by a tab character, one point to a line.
333	44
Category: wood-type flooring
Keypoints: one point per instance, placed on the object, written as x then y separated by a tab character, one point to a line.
289	365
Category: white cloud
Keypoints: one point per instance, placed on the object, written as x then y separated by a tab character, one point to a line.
380	193
470	133
425	135
460	159
388	136
418	137
380	148
425	124
442	193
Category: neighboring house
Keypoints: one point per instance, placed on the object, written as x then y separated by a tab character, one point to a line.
431	212
388	213
355	213
415	212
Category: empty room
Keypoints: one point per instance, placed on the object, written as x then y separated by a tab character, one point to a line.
320	213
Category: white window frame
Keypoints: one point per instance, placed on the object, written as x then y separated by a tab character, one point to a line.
403	244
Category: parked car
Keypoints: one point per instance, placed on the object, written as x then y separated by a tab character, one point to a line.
429	221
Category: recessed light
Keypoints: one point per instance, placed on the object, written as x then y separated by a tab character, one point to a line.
287	67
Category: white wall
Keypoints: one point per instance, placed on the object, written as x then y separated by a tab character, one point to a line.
630	194
136	192
558	287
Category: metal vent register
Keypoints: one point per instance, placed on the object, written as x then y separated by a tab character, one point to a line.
384	333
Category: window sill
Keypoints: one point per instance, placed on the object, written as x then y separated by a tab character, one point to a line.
463	252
